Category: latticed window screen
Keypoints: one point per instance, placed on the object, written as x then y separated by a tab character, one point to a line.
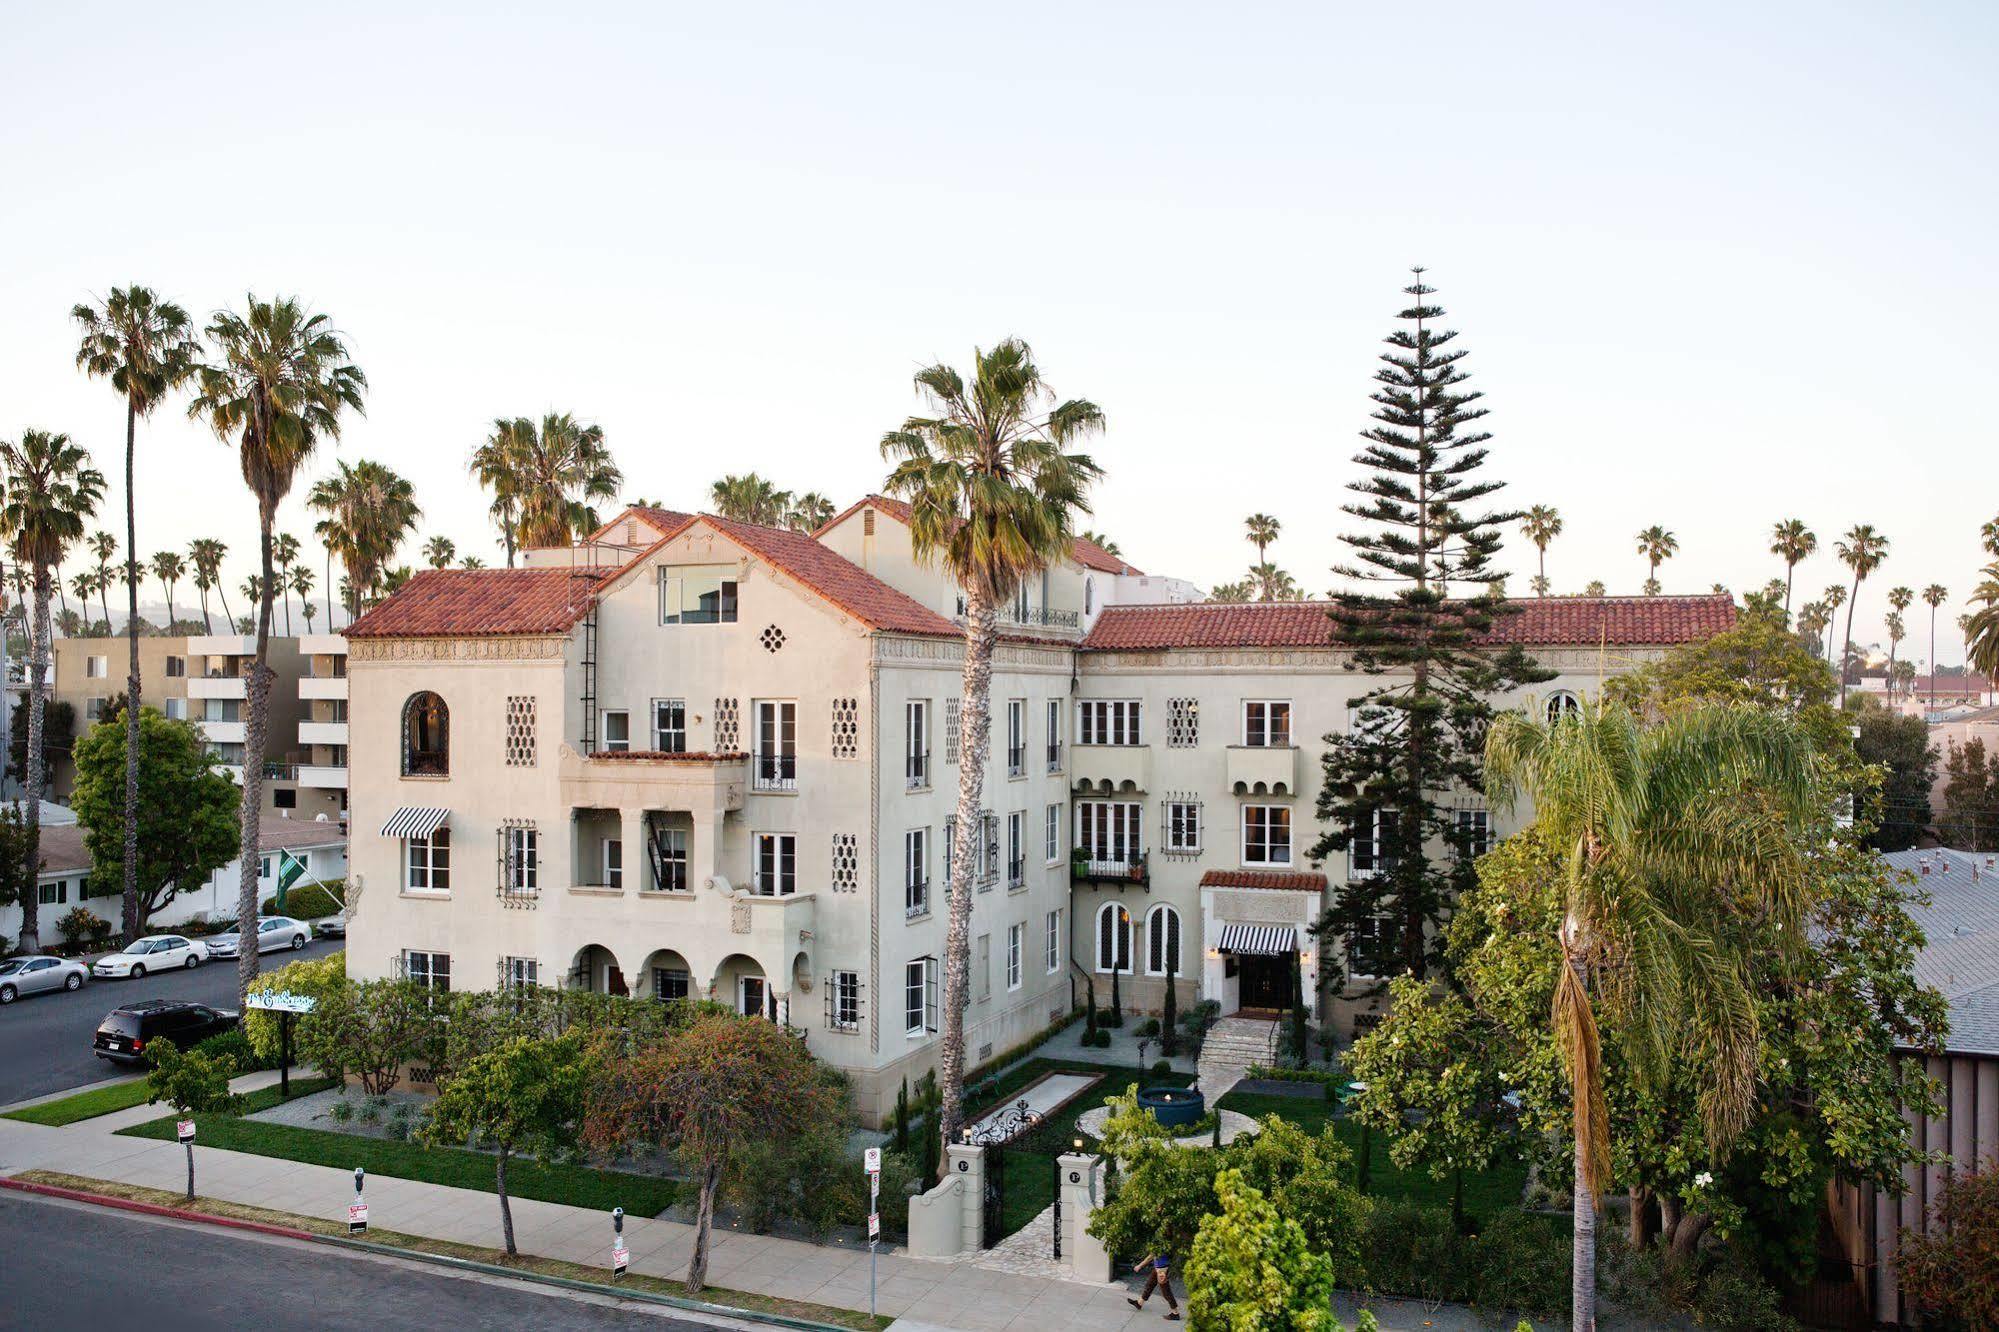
727	730
951	706
520	730
1180	823
1183	723
846	862
772	638
846	728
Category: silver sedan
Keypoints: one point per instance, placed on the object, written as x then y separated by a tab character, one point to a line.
32	975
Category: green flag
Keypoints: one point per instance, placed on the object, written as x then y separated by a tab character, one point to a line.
290	870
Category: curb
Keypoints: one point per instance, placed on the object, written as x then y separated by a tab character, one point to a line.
602	1289
155	1209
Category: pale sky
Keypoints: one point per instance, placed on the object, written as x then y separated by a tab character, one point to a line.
1716	265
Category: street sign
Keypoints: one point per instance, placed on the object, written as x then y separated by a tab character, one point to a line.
184	1130
874	1226
280	1001
620	1256
873	1159
357	1218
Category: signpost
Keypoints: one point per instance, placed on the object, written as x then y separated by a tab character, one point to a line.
183	1130
357	1212
620	1256
286	1005
872	1162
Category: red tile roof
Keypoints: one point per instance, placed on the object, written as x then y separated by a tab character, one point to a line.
836	578
1951	684
664	520
1541	622
663	756
1291	881
481	603
1087	553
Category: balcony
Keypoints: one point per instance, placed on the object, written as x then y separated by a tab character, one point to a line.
915	771
1016	874
322	686
774	773
647	780
223	732
322	777
217	686
322	733
322	645
1263	769
776	927
1110	769
222	645
1117	871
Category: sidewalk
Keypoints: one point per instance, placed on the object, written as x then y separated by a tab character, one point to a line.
946	1294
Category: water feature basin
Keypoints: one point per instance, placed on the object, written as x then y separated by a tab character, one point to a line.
1173	1107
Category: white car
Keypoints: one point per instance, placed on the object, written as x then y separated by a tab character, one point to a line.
273	933
155	952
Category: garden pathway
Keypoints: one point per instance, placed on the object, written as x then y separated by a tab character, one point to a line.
1043	1099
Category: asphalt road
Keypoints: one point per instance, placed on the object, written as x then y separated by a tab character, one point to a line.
66	1265
45	1038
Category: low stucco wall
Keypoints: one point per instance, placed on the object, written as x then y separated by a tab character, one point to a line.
937	1221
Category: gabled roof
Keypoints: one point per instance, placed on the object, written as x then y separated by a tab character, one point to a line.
836	578
481	603
662	520
1541	622
1086	553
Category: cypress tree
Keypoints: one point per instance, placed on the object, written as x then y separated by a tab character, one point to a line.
902	1118
1169	1011
1422	532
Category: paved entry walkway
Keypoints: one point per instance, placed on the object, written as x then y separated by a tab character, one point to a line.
1042	1100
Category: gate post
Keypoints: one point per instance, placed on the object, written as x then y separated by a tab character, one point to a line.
1082	1188
967	1164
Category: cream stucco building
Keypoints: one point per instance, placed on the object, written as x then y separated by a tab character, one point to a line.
694	756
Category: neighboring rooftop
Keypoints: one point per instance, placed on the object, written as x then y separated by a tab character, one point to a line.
478	603
1961	923
1087	553
63	851
1540	622
1292	880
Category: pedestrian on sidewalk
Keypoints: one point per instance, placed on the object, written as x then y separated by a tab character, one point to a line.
1157	1277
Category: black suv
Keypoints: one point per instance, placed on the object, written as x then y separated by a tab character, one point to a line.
129	1028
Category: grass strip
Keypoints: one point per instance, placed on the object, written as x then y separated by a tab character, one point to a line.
575	1186
747	1301
84	1105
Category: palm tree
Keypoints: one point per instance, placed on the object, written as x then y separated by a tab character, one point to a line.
1261	529
1101	542
300	583
810	512
284	554
1792	542
1657	545
72	624
1237	591
563	467
1899	599
1835	597
1273	584
51	491
1593	588
85	583
993	489
1660	860
1981	626
1964	640
439	551
205	554
370	511
308	609
1934	596
167	567
472	562
1862	549
103	545
1988	537
146	348
275	388
497	465
1813	617
750	499
1542	524
1540	585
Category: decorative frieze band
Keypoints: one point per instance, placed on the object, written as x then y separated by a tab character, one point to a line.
544	648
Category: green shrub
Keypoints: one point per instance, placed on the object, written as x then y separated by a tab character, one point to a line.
1411	1250
371	1110
236	1046
308	901
343	1110
1718	1287
1521	1262
76	924
1161	1067
1148	1028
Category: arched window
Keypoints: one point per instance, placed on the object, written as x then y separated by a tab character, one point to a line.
1162	941
426	736
1113	938
1562	704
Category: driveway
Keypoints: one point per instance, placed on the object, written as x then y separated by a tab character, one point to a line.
45	1038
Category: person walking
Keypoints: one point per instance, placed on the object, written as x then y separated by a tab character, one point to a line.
1160	1278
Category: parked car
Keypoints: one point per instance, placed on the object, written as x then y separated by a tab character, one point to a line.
331	927
155	952
273	933
31	975
129	1029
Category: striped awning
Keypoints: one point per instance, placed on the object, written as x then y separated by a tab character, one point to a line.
1259	940
413	822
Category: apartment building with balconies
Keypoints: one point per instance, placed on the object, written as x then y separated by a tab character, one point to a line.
322	728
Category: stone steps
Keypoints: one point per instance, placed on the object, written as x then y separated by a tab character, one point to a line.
1232	1045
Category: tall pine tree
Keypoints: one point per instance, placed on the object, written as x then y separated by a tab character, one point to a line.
1413	750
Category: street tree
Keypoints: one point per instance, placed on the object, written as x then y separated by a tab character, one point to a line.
193	1083
1251	1268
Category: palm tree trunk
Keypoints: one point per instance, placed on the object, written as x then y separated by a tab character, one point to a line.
1933	659
1851	603
131	886
223	592
975	728
170	606
254	735
506	1207
37	774
1790	573
207	620
62	597
704	1222
1582	1276
329	589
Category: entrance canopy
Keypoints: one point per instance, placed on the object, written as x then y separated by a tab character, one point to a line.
1259	940
412	822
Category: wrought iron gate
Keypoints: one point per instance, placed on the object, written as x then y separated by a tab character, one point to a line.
995	1201
994	1133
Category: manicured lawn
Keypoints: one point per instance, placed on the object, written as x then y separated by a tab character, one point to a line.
578	1186
84	1105
1496	1190
1030	1158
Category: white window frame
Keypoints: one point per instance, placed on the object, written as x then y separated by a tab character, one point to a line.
431	856
1054	747
777	844
1126	829
1051	834
1479	821
669	739
846	985
1016	849
1016	738
774	721
1378	864
428	973
520	973
624	744
1052	945
673	579
523	858
916	744
916	873
1116	722
1183	828
614	862
919	997
1561	703
662	974
1266	859
983	955
1014	943
96	668
1377	920
1119	951
1156	931
763	1006
1266	711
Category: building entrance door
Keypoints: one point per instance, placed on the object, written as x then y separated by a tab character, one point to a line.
1265	981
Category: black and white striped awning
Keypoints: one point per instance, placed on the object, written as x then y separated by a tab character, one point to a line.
1259	940
412	822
